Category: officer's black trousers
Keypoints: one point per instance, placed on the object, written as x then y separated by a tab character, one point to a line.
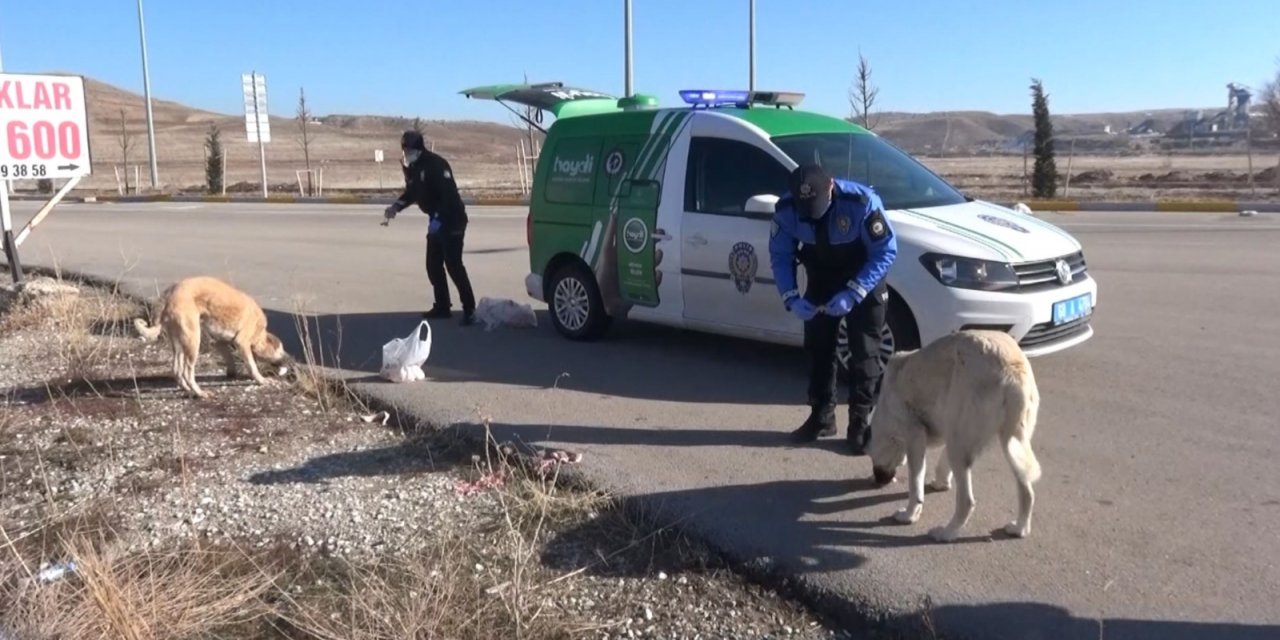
820	336
444	251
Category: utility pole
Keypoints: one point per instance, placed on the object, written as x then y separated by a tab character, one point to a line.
146	91
627	25
6	227
751	56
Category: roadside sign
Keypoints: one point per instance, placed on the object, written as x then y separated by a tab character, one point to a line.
256	124
377	155
44	127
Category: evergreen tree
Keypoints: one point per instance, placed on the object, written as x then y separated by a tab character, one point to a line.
1044	178
213	160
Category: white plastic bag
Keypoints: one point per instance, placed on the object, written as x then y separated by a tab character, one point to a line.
402	358
497	312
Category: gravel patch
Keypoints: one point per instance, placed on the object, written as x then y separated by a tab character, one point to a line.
93	427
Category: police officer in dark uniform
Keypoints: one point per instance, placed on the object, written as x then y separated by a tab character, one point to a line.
836	229
429	183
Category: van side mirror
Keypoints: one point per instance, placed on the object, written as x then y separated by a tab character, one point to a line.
762	204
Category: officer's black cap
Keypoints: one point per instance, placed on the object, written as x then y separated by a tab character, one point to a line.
809	180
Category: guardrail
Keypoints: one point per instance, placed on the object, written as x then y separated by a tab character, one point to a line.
1201	206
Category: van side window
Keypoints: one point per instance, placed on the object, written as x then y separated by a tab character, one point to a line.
571	169
723	174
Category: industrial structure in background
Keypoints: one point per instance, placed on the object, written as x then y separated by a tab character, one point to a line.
1224	127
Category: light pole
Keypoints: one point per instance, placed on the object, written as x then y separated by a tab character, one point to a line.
751	55
627	56
146	92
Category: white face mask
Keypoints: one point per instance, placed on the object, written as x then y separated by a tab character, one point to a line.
411	156
821	203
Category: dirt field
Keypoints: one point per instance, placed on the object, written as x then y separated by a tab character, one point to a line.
1172	176
484	155
130	511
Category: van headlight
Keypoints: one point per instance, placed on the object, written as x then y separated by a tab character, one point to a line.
970	273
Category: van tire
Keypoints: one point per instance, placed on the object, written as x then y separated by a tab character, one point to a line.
901	335
571	292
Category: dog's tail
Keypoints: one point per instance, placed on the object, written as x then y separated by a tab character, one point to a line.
147	333
1022	405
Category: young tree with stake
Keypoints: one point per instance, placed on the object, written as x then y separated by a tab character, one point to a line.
304	136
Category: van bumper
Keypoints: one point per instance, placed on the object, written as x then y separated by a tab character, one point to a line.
1027	317
533	286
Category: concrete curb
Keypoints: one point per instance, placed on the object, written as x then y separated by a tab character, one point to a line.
1166	206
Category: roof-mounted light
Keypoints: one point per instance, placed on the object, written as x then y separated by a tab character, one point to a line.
714	97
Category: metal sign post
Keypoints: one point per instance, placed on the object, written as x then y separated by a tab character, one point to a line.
257	123
377	157
45	137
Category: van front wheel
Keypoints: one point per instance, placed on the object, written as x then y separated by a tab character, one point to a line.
577	310
898	334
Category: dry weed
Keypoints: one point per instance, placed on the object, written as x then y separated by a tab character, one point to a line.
312	377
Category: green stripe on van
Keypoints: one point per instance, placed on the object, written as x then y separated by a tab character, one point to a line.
980	238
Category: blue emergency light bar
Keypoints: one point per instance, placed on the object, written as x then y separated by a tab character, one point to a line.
713	98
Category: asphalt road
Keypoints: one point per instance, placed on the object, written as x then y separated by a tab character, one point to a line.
1158	515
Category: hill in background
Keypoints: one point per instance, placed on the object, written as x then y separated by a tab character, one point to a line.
484	154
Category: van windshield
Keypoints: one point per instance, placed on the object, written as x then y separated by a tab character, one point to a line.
901	181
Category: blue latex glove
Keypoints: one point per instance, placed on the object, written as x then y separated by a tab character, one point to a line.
842	303
434	226
803	309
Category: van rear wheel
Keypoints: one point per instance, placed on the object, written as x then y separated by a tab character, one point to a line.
577	309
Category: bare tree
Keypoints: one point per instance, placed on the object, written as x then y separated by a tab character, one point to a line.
126	142
304	136
863	95
1270	99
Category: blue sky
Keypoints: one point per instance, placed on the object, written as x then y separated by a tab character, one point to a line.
411	58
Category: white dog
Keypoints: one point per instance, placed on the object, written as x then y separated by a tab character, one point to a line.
961	392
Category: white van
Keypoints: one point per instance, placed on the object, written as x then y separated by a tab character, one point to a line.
663	215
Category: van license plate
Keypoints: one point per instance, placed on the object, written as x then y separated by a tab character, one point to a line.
1073	309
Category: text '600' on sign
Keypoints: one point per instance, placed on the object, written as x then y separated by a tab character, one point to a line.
44	128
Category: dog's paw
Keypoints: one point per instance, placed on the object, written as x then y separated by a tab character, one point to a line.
940	485
1016	531
909	515
943	534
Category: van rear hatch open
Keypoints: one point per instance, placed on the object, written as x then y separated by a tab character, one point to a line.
561	101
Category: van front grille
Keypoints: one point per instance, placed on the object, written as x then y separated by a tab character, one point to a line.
1043	275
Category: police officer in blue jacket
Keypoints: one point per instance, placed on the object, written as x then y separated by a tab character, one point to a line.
836	229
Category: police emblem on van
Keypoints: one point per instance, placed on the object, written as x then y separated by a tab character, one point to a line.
635	235
743	265
1001	222
614	161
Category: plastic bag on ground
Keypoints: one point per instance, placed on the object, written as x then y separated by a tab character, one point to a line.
402	358
497	312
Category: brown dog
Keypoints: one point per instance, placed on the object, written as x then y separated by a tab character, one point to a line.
233	320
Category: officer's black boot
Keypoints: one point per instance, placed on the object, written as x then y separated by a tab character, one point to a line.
821	423
859	434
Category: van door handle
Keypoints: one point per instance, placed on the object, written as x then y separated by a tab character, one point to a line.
697	240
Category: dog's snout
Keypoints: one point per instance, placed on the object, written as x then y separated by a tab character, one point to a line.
882	476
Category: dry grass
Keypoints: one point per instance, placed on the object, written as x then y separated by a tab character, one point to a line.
177	593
